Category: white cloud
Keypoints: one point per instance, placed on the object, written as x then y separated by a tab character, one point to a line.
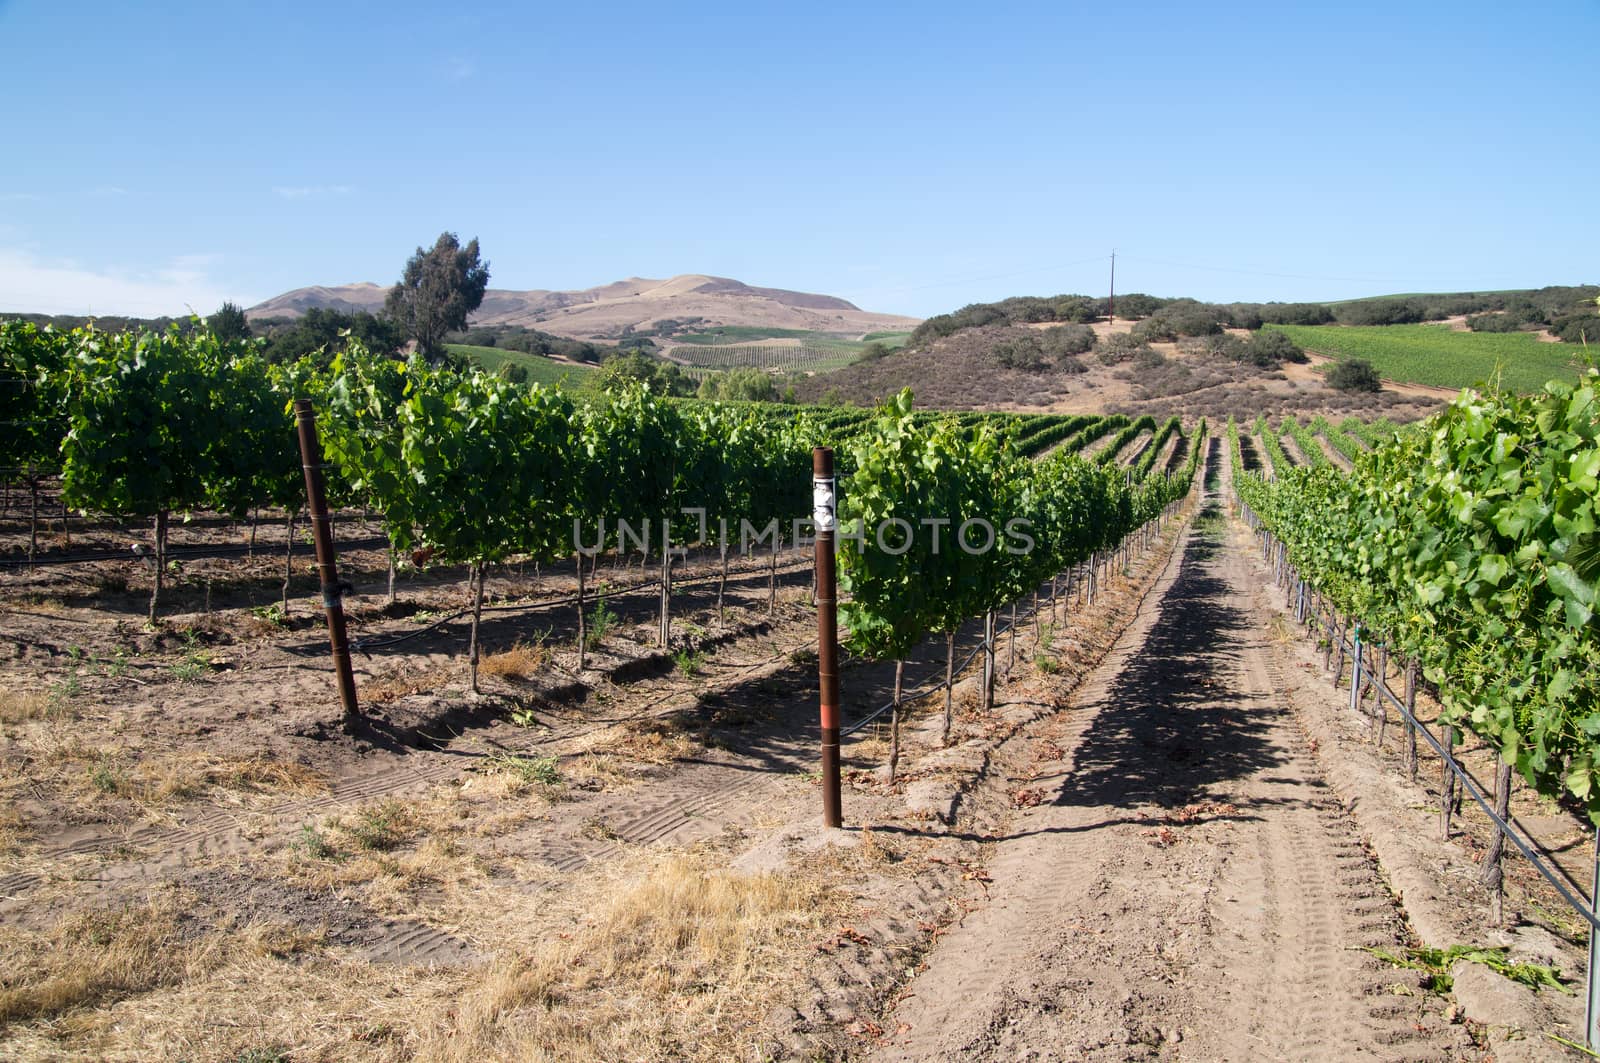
29	284
311	191
19	197
108	191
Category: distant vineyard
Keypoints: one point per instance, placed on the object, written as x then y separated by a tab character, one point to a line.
808	357
1438	355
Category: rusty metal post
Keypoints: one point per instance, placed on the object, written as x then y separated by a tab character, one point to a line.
327	567
823	505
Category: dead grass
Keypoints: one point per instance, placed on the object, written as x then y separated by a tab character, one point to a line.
664	956
404	682
17	706
521	661
391	852
677	963
647	742
95	956
12	828
187	776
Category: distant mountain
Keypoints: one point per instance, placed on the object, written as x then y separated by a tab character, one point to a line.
692	300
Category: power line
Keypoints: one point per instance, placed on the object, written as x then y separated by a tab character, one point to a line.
991	277
1264	273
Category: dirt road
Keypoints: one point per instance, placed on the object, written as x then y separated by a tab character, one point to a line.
1187	887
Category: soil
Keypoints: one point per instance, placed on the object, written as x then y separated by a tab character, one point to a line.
1151	847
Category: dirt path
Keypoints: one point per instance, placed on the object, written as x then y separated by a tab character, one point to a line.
1187	887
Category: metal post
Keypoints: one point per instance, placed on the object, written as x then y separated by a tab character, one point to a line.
1592	1020
823	514
1355	670
327	567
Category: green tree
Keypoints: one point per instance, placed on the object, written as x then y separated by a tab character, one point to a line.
229	323
322	333
741	384
437	291
622	371
1355	374
1269	347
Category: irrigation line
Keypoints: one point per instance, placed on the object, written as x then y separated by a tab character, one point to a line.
933	688
1557	878
915	695
379	642
1566	889
186	553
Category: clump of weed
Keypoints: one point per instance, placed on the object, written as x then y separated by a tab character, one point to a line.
106	775
380	827
311	842
544	771
601	621
194	663
688	661
1436	964
271	616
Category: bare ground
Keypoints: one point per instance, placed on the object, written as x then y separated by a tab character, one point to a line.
1144	851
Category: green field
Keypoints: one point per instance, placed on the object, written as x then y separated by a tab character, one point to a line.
541	370
892	340
1436	354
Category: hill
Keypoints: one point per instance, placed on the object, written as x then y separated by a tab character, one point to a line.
637	306
1013	367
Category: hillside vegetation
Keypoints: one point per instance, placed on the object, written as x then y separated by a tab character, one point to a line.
523	367
1442	356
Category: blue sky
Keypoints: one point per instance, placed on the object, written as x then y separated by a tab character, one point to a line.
911	158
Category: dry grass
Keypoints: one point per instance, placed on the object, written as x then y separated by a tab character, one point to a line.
17	706
646	742
403	682
95	956
675	964
521	661
186	776
12	828
666	956
391	852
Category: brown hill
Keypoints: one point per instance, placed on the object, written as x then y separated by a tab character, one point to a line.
638	303
965	371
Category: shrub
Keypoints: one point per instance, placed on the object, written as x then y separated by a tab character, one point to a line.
1154	330
1355	374
1295	314
1493	323
1380	312
1577	328
1271	347
1119	347
1022	352
1065	340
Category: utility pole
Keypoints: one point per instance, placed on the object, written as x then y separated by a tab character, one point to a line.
1111	303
